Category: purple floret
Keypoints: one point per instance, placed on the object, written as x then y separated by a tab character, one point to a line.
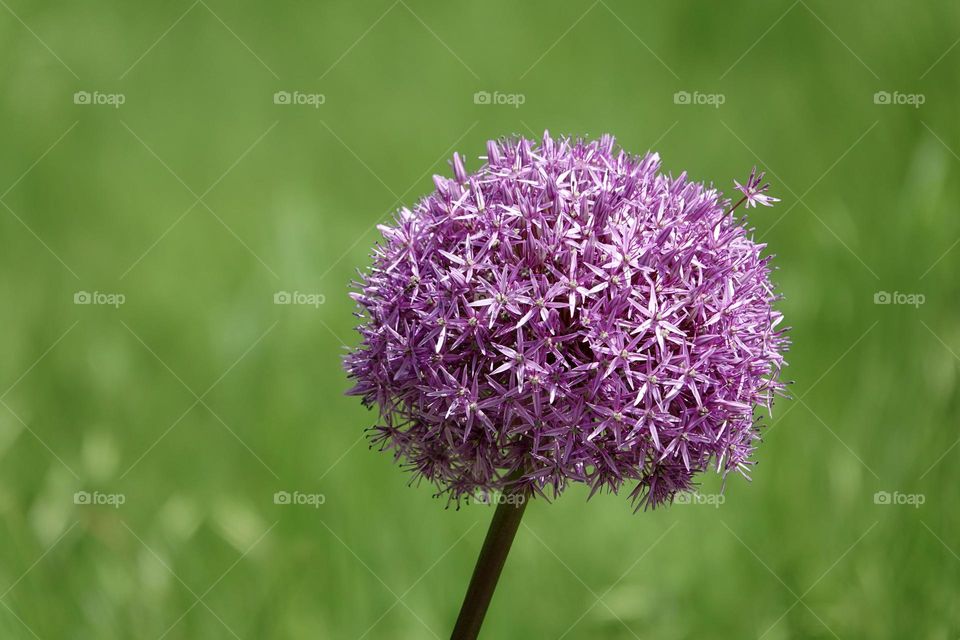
569	313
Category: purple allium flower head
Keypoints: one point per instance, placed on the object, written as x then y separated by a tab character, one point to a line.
568	313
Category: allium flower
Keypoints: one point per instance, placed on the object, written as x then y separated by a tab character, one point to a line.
753	191
568	313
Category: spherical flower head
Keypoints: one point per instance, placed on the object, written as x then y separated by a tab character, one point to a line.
568	313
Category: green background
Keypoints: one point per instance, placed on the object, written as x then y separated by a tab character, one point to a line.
198	398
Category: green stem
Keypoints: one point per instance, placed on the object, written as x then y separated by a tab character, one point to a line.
493	555
734	207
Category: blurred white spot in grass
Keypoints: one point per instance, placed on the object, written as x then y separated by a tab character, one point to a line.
53	509
10	428
179	518
100	455
924	182
780	631
114	582
303	620
626	601
153	576
239	524
940	367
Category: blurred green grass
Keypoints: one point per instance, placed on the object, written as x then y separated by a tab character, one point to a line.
197	399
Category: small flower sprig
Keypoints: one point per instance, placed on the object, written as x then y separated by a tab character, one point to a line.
753	192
